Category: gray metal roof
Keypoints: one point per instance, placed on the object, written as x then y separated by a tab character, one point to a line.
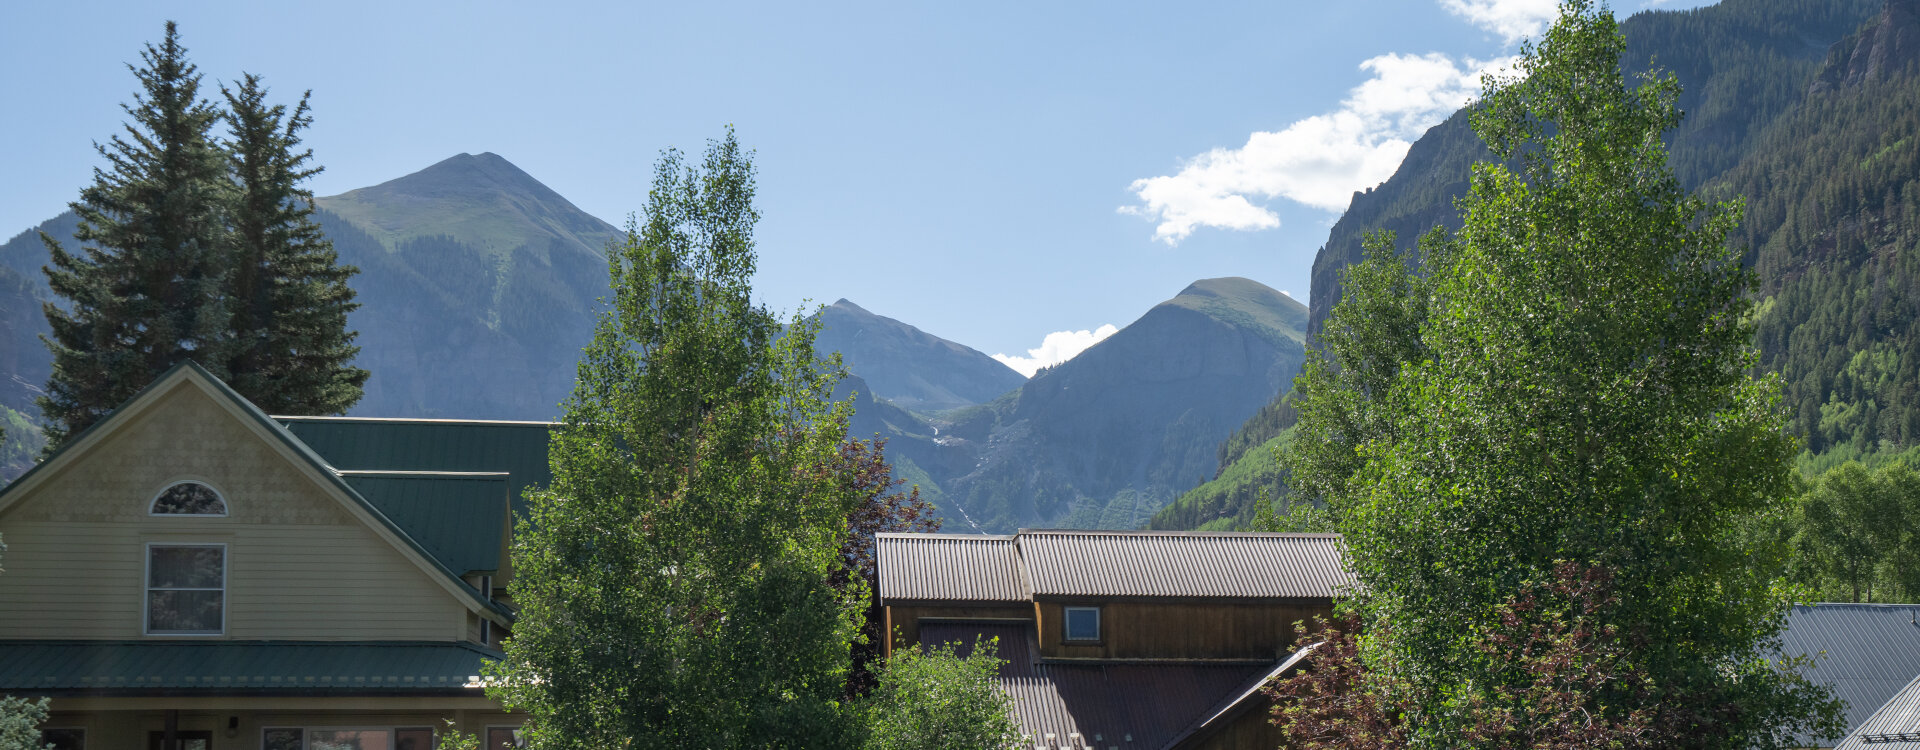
239	667
1124	706
1895	725
1866	652
948	567
1182	564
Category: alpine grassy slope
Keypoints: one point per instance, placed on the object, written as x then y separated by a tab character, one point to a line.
1811	111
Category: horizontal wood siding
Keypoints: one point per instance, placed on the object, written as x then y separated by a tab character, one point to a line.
300	567
905	620
1181	630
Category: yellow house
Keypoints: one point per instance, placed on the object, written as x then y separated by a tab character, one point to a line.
191	569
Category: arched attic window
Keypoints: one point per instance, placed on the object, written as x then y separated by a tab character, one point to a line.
189	498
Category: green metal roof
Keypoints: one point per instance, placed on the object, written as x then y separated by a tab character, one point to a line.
240	667
459	518
361	444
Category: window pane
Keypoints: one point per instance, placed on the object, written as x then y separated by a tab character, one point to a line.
1083	624
348	739
64	739
500	738
412	739
282	739
184	611
186	567
190	498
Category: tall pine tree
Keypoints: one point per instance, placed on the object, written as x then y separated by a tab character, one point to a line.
290	351
193	248
145	287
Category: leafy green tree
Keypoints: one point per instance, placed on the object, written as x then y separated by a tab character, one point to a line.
939	698
674	583
1583	395
145	288
288	298
1340	393
1856	534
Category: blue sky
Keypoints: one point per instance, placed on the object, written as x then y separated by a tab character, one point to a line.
991	173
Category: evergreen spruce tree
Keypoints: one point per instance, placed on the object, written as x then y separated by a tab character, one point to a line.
145	286
288	296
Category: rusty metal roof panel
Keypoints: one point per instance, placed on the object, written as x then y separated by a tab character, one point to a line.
1182	564
948	567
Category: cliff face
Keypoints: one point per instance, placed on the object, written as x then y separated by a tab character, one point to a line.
1742	64
1888	45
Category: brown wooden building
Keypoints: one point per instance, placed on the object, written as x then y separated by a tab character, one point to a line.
1119	639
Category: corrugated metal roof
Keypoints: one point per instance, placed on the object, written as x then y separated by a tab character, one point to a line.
1895	725
1866	652
121	667
1125	706
1182	564
459	518
361	444
948	567
1243	699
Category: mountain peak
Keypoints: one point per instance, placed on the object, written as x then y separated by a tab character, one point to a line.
481	200
847	304
1245	301
469	173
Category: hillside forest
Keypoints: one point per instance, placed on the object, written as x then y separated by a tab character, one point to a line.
1806	112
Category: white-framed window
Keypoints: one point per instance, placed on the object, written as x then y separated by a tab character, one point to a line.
1082	623
347	738
186	589
188	498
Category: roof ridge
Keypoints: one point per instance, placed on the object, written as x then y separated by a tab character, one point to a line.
400	474
1143	532
415	420
963	537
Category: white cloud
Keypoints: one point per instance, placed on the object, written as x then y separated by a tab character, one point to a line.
1513	20
1319	161
1057	347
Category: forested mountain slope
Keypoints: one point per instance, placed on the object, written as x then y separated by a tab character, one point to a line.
1105	439
1799	106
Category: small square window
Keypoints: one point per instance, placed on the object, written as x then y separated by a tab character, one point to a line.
1083	623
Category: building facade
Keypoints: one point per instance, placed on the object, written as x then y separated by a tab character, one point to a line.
192	570
1114	639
